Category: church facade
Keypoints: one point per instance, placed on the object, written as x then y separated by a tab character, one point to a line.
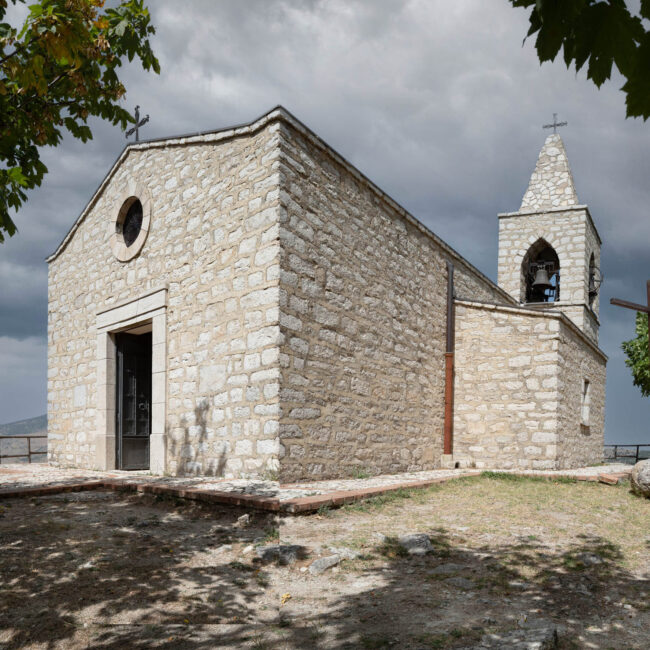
246	303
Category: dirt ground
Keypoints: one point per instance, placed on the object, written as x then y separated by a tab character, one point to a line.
106	570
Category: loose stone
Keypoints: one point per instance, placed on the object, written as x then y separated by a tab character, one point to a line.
344	552
415	543
321	564
282	554
640	478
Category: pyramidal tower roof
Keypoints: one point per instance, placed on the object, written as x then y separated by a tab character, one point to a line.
551	185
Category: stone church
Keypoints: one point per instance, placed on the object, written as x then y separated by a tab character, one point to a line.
246	303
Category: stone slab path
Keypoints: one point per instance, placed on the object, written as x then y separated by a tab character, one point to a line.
39	478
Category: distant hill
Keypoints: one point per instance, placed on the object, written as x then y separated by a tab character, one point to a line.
31	427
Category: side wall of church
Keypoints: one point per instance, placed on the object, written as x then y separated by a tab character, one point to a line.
579	446
506	388
362	300
213	240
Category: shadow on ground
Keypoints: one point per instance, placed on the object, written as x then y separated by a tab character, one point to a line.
101	570
454	597
106	571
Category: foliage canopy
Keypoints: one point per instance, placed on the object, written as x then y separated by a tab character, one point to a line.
599	34
638	358
56	70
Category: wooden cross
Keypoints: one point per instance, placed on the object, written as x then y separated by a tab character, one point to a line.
644	309
138	123
555	124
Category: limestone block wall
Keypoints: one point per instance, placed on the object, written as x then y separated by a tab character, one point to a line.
580	314
506	387
518	387
572	234
578	445
214	242
362	313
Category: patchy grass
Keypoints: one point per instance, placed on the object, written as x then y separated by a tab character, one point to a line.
523	478
493	503
377	502
570	553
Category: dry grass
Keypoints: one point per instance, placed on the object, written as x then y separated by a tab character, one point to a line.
570	553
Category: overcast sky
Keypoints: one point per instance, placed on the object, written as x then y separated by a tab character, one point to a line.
436	101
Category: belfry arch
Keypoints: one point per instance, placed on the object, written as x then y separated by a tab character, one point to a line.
540	274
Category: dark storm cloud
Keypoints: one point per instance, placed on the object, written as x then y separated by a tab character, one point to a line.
437	102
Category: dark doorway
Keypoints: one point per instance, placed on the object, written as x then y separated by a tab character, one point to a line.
133	400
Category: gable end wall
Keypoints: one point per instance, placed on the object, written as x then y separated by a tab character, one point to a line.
213	241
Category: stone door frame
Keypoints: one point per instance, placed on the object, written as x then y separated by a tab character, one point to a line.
148	308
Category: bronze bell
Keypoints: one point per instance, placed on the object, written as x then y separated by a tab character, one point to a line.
541	280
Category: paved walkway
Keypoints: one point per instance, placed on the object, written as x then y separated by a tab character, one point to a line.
40	478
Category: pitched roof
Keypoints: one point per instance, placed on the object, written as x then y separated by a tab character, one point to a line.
551	184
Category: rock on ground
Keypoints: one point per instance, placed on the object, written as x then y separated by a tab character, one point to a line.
243	521
640	478
415	543
282	554
344	552
323	563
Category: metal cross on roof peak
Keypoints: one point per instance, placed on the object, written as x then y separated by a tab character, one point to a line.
138	123
555	124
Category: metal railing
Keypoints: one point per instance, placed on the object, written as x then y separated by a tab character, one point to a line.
627	453
29	453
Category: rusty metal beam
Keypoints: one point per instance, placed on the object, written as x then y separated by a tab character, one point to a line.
630	305
448	439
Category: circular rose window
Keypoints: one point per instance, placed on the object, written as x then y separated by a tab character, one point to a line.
130	226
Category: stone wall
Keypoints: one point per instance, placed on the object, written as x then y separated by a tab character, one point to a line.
517	391
213	241
579	446
363	300
505	388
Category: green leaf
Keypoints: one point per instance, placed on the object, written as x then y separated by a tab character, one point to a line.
598	34
56	77
638	359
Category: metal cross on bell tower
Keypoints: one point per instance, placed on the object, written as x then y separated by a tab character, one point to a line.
138	123
552	126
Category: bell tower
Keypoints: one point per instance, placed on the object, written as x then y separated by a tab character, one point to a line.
549	250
